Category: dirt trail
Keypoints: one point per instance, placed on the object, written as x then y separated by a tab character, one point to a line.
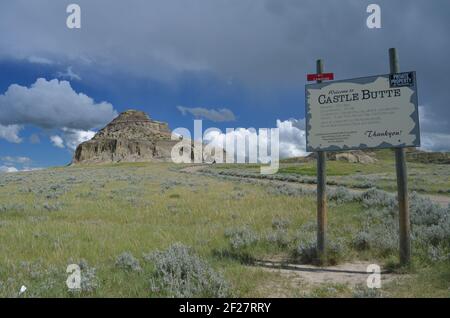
440	199
304	278
348	273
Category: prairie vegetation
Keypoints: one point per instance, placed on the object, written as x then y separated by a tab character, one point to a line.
152	230
425	178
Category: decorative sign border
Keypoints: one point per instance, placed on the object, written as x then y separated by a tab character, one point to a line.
403	80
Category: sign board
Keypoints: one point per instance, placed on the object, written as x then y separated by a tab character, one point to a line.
320	77
370	112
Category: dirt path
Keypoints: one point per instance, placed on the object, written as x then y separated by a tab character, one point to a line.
303	279
440	199
348	273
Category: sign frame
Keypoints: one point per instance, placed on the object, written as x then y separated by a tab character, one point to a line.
364	80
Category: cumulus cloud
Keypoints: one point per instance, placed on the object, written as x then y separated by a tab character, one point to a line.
39	60
219	139
216	115
10	133
52	104
16	163
13	160
292	142
8	169
292	139
298	123
57	141
71	138
74	137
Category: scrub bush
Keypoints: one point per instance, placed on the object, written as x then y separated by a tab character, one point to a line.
178	272
128	262
241	237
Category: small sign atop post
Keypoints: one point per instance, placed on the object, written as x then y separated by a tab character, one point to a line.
320	77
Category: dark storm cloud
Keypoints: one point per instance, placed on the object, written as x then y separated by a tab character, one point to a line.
266	45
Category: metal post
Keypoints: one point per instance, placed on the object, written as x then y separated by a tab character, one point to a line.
321	193
402	185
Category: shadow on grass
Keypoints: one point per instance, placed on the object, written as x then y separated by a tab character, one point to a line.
306	267
243	257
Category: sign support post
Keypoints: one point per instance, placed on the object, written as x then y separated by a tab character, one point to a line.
321	192
402	185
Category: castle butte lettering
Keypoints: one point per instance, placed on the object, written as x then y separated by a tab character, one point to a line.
363	95
386	133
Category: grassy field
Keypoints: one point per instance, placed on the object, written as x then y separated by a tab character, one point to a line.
151	230
424	178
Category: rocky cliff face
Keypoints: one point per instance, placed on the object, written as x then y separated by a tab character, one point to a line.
130	137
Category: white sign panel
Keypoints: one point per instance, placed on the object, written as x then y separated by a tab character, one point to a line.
369	112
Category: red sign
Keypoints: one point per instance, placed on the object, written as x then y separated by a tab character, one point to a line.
320	77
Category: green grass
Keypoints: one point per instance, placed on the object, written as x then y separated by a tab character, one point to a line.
54	217
433	281
423	178
336	168
98	223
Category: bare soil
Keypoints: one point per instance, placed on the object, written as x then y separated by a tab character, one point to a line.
354	273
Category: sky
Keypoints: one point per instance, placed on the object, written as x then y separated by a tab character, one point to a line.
232	63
